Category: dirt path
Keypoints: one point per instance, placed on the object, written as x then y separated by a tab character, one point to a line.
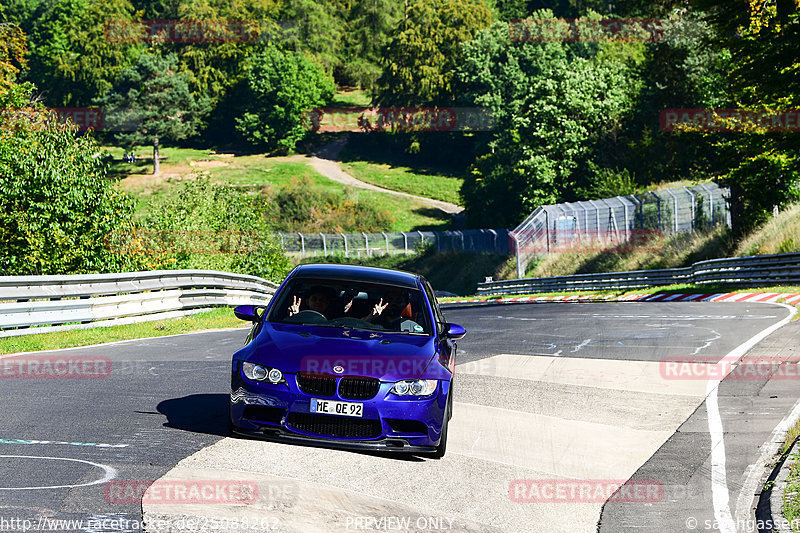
324	162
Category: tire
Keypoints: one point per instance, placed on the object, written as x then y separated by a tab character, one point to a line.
441	448
231	427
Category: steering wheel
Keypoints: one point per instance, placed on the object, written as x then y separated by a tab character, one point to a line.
349	321
308	315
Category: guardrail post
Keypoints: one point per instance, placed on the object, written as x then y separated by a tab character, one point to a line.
405	242
302	245
344	238
366	243
494	239
324	245
710	200
547	229
597	220
517	253
421	239
674	210
386	238
694	211
658	208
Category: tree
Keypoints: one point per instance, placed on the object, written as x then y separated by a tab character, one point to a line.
369	25
551	105
421	57
211	226
72	58
280	87
13	49
315	27
58	212
761	167
152	102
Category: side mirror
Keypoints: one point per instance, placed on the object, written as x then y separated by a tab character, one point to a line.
454	331
247	312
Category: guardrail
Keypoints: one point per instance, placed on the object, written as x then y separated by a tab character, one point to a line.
55	303
755	271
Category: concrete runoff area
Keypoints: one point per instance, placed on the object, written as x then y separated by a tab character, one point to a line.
488	449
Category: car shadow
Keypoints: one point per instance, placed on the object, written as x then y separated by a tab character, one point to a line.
198	413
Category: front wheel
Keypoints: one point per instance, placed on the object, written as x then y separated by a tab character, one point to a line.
230	423
441	448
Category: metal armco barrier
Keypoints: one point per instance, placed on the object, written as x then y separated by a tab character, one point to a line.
755	271
55	303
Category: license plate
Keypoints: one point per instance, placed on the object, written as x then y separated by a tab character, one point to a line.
332	407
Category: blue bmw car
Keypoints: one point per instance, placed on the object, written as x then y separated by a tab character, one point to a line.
347	356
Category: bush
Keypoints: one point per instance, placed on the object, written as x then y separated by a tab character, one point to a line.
210	226
301	207
58	212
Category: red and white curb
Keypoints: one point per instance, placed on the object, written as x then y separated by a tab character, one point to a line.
763	297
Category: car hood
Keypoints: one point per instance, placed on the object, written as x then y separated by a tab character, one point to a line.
300	348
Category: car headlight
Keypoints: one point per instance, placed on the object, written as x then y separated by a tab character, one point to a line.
415	387
262	373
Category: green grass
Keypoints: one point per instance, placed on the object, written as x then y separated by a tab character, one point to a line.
791	493
405	179
351	98
779	235
144	158
215	319
257	171
671	251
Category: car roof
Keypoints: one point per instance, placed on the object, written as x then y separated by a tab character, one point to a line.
358	273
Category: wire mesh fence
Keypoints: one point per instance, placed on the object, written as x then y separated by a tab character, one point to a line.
369	244
622	220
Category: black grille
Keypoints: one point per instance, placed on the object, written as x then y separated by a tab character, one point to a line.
318	384
358	388
262	413
334	426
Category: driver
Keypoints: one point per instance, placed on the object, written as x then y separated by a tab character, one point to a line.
319	299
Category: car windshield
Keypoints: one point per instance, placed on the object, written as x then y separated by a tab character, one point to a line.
352	305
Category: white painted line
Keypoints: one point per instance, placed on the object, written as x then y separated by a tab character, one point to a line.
754	472
93	444
719	483
109	473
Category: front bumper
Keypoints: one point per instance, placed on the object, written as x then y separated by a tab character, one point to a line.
278	434
400	424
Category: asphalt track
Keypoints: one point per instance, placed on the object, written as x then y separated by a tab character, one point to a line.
547	395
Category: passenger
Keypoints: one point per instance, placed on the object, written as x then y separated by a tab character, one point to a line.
389	313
